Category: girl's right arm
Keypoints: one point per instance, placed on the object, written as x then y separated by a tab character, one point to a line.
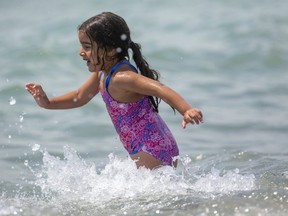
70	100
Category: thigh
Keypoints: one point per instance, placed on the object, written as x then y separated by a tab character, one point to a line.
144	159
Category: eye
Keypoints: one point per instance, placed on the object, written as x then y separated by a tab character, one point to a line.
86	46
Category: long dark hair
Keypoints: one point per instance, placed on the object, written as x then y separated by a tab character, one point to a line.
110	31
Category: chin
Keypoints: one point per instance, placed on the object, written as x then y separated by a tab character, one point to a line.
92	68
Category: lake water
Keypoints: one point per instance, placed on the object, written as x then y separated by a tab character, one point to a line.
228	58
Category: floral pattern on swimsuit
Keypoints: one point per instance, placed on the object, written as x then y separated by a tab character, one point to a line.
141	128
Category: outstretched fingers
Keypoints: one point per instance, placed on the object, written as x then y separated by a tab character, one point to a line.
30	88
35	90
38	93
193	116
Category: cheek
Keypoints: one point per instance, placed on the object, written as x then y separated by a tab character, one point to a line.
94	57
96	60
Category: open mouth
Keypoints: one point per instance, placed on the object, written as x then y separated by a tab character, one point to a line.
87	61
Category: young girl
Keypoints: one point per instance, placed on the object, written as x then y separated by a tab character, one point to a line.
131	98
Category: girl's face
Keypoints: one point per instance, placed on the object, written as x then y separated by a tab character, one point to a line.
88	52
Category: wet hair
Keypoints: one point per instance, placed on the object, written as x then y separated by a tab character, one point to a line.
110	31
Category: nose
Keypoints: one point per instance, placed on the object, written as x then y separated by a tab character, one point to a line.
82	53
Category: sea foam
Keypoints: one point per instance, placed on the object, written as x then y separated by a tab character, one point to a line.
74	179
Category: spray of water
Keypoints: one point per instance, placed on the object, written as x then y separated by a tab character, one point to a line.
72	186
74	179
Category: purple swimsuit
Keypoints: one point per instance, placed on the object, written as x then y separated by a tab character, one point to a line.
140	127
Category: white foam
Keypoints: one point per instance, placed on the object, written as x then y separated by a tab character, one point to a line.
72	178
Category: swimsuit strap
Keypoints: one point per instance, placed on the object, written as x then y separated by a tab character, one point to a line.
114	69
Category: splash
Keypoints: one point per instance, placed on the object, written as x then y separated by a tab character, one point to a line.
74	179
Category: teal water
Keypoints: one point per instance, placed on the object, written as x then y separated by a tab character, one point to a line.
226	57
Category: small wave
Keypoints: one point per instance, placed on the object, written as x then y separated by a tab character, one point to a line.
231	181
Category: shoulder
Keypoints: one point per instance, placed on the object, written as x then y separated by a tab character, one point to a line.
133	82
126	77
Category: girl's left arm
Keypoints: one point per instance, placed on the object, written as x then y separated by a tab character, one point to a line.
142	85
171	97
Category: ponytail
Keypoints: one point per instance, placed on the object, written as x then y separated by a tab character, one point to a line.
145	70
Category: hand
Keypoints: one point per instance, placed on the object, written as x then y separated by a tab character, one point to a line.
192	116
39	95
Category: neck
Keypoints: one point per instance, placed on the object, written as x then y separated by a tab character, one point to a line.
109	65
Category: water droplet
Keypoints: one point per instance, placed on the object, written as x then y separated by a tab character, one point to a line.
26	162
21	118
12	101
199	157
123	37
119	50
35	147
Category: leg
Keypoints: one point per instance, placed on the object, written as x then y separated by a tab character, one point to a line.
144	159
